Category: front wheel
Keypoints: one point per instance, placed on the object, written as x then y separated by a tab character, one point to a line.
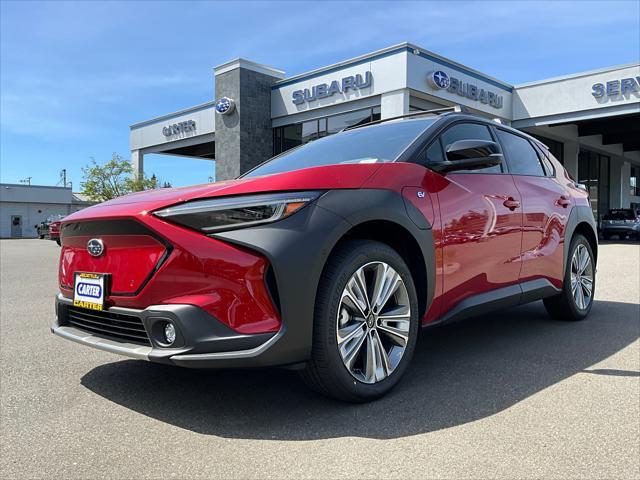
365	323
576	298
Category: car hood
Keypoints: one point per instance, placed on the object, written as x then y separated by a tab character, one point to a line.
317	178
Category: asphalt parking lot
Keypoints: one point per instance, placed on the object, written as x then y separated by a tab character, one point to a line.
511	395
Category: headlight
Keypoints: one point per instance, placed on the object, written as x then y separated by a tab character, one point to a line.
213	215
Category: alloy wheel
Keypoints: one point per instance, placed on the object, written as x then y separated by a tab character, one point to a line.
581	277
373	324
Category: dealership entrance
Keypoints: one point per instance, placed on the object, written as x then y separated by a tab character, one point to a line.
593	171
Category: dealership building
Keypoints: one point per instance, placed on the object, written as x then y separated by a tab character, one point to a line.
22	207
590	120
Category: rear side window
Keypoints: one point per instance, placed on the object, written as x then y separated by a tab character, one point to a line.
522	158
544	155
469	131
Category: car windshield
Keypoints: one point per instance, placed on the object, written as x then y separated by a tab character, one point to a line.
619	215
374	144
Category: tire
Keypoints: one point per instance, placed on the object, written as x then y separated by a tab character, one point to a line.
327	372
564	306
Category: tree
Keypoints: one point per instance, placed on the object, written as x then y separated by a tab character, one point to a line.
113	179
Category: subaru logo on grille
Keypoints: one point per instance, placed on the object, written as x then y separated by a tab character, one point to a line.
95	247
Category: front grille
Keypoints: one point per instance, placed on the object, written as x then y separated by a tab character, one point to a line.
128	328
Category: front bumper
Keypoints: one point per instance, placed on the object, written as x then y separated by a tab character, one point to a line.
296	248
202	341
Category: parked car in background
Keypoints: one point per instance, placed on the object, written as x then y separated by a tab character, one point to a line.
330	257
623	222
43	228
54	230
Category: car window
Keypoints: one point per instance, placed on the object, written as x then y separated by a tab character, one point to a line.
433	154
374	144
469	131
522	158
619	215
544	155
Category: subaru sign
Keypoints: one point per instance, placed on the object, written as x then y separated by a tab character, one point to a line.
325	90
441	80
225	106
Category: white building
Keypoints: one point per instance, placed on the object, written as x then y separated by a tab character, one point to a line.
22	207
590	120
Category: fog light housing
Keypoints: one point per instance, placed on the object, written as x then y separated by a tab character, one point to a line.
169	333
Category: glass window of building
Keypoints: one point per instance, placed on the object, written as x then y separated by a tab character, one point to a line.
289	136
309	131
593	171
634	182
350	119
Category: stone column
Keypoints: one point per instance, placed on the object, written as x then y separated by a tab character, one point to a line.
625	201
244	137
570	154
137	162
615	183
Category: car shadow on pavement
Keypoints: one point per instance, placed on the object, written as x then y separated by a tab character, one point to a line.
460	373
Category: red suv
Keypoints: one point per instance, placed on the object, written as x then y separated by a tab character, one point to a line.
331	256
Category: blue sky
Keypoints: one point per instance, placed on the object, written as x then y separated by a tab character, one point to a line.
74	76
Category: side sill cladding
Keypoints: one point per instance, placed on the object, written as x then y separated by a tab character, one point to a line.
500	298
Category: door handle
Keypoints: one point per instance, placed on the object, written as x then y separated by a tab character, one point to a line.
564	201
511	203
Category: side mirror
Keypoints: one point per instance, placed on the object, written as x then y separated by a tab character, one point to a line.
469	155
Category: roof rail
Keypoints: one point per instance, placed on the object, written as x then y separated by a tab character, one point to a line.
434	111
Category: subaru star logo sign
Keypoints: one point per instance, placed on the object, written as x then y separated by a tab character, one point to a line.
95	247
439	79
225	106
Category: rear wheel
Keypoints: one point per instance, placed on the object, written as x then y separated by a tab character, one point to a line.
365	325
576	299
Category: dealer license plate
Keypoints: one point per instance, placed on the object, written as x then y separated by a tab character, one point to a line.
88	291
